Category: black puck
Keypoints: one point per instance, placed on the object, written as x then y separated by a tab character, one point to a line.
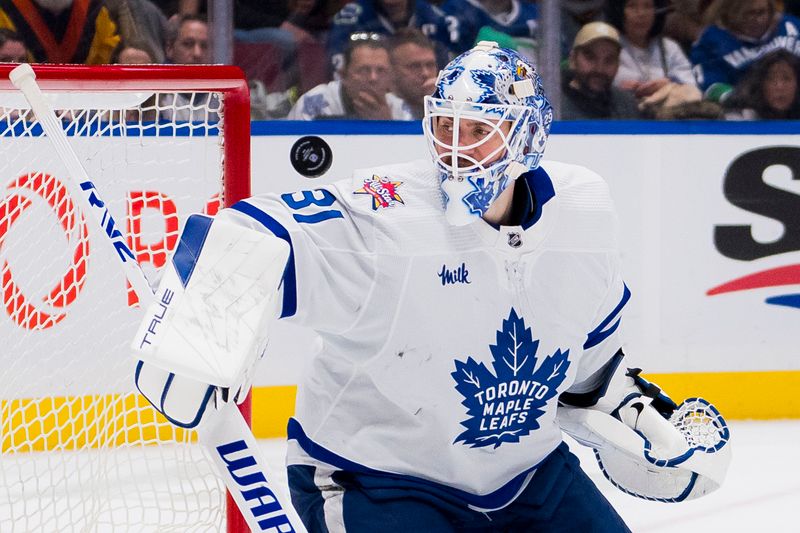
311	156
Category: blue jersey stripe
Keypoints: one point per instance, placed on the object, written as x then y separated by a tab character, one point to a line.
290	272
600	333
494	500
539	182
191	243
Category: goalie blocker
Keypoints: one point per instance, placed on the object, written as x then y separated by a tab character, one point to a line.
645	444
200	341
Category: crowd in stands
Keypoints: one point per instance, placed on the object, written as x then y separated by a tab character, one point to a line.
377	59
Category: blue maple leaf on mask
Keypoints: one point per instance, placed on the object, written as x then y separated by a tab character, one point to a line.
480	197
450	76
486	81
505	404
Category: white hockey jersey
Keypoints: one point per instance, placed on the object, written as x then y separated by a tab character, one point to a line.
444	348
325	101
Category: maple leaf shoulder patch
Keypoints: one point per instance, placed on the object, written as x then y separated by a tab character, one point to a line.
505	404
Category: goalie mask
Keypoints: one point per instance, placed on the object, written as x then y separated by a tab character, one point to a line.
486	124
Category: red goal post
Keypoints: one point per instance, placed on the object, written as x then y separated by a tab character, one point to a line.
79	449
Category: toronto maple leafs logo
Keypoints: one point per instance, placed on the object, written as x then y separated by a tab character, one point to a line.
480	197
486	81
449	77
505	405
482	194
315	105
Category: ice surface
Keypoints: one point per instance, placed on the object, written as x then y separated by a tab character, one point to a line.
760	494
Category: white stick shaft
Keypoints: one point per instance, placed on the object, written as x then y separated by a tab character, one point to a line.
224	433
249	478
78	183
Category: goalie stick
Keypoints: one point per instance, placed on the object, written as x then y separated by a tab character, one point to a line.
223	433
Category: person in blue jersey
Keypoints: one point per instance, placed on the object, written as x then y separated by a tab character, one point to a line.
385	17
469	306
513	18
741	32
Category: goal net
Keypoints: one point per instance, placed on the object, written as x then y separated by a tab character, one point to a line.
80	450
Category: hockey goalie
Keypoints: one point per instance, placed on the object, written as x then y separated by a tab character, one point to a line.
469	307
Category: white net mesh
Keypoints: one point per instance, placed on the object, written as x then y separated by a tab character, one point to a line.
79	449
701	424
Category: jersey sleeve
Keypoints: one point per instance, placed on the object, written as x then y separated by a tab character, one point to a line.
603	341
708	59
330	270
467	20
310	106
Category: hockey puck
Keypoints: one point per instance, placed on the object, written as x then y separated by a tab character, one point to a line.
311	156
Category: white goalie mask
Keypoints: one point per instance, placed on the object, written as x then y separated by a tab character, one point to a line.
486	124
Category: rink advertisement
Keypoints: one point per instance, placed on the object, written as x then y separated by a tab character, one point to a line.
710	232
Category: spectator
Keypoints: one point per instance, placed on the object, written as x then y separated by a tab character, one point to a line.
768	90
574	15
648	60
134	53
652	67
12	49
130	55
742	31
65	32
385	17
187	43
149	16
495	20
685	21
362	92
587	89
413	59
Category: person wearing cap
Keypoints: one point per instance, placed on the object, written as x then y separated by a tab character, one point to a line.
587	91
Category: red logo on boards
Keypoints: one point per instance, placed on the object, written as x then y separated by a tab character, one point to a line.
49	310
34	188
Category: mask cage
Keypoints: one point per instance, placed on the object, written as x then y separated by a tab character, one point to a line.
491	115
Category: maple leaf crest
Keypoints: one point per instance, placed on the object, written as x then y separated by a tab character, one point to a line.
505	405
480	197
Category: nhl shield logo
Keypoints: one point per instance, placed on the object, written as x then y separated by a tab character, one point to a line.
514	239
